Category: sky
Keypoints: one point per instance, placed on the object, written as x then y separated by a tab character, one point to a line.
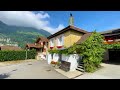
53	21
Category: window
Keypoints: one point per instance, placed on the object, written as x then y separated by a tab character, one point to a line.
60	41
51	43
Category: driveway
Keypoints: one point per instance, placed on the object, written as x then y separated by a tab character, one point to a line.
109	71
30	70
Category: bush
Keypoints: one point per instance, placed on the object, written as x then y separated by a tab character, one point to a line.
16	55
92	52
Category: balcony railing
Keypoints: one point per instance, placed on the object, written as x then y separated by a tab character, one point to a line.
111	41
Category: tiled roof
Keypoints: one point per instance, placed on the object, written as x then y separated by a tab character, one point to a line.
70	27
33	45
111	31
10	48
44	39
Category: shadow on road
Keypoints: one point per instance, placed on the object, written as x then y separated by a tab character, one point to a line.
5	75
114	63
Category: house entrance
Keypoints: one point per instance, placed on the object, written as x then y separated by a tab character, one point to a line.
114	55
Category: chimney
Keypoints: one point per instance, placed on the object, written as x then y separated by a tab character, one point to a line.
71	20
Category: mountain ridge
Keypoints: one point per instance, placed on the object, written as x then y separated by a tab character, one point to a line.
21	34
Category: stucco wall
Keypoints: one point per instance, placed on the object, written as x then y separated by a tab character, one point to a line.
75	36
70	37
67	39
49	58
55	58
73	59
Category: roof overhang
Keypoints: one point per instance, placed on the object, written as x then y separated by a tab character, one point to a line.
70	27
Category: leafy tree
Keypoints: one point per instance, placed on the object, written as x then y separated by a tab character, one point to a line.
92	51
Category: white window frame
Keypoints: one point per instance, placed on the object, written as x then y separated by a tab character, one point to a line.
60	42
52	43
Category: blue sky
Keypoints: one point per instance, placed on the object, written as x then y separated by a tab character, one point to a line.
87	20
53	21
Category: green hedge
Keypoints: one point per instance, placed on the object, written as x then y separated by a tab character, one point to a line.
16	55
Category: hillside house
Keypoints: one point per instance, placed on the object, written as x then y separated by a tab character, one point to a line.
40	46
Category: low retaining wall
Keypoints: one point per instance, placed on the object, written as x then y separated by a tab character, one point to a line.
73	59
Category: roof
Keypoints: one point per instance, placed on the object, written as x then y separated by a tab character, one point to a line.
70	27
111	34
33	45
84	38
10	48
44	39
111	31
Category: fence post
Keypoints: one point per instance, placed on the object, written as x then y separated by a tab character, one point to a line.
26	54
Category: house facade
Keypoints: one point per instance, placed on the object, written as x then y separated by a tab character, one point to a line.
41	46
64	39
111	37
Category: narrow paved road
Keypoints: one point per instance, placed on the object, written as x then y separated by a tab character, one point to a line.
30	70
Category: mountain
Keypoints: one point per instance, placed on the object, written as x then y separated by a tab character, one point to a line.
20	35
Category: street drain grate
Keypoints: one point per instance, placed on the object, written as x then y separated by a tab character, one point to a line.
48	70
29	64
14	70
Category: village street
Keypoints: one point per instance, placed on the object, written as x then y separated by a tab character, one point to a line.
30	70
38	69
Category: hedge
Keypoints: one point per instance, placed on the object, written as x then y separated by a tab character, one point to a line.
16	55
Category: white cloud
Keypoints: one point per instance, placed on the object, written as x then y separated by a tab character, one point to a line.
28	19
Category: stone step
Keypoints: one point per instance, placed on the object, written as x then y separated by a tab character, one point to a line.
81	64
79	69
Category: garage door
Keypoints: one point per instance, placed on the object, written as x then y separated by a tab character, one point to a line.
114	55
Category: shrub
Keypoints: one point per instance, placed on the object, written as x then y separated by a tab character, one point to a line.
92	51
16	55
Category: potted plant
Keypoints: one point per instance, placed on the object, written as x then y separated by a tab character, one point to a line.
57	65
53	63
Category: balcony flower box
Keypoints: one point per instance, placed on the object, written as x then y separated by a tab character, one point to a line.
59	46
51	47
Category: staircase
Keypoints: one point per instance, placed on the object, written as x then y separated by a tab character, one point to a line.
80	67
